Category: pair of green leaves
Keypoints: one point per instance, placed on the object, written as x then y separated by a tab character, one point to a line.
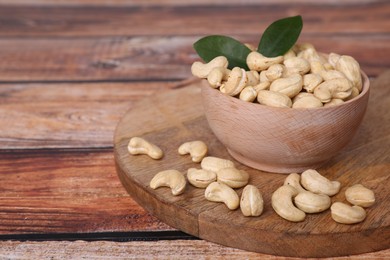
276	40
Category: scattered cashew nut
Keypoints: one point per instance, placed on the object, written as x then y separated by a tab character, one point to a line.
233	177
293	179
251	203
169	178
138	145
200	178
310	202
312	181
282	203
214	164
345	214
197	150
219	192
359	195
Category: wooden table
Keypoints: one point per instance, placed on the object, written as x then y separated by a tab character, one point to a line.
69	70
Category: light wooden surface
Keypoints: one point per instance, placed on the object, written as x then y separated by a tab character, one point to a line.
69	70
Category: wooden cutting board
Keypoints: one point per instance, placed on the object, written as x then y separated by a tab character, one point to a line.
170	118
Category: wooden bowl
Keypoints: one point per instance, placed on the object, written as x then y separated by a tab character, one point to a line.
282	140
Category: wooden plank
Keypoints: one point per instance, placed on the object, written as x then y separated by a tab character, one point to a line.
149	58
176	2
66	192
171	119
190	19
67	115
176	249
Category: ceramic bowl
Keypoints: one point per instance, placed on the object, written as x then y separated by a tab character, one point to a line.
282	140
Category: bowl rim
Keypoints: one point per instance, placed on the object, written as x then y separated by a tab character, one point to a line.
365	90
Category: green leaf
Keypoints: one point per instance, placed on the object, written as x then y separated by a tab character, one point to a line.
280	36
213	46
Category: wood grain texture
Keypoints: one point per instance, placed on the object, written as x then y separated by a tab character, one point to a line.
191	18
177	249
66	115
66	192
177	116
149	58
95	3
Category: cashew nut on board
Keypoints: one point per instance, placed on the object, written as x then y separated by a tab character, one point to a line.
138	145
360	196
169	178
282	203
233	177
312	181
214	164
345	214
251	202
200	178
219	192
197	150
312	203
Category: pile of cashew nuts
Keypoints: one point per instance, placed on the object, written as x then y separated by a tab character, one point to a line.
309	192
301	78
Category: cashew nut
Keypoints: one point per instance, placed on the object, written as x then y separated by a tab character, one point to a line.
197	150
248	94
333	58
345	214
351	69
331	74
138	145
263	76
299	47
274	72
293	180
334	102
312	181
252	203
311	81
360	196
297	65
289	86
334	88
217	75
202	70
310	54
262	86
233	177
282	203
312	203
200	178
307	102
316	67
253	78
289	54
214	164
273	98
169	178
258	62
219	192
355	93
236	82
